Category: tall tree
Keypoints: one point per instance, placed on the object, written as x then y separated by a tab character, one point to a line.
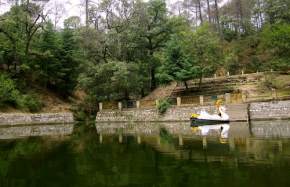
208	11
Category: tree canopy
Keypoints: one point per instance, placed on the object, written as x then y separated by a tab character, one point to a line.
128	47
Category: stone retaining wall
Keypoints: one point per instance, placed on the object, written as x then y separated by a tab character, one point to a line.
237	113
270	110
44	118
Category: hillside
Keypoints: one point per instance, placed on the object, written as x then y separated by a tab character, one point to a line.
255	85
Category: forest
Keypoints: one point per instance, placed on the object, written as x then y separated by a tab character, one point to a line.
126	48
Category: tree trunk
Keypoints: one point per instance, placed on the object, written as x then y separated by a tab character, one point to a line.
260	17
218	19
186	85
208	11
153	79
199	10
239	16
87	12
200	81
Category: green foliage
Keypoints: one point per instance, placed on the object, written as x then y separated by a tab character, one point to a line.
276	41
277	11
112	80
29	102
271	81
191	54
8	91
10	95
163	105
122	53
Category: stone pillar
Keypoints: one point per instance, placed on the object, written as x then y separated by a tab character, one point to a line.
100	106
232	144
201	99
228	98
158	140
244	97
178	101
180	140
242	72
120	138
215	76
138	139
120	105
204	142
271	70
274	93
138	104
228	73
101	138
156	102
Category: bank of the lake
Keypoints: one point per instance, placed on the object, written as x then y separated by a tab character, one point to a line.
237	112
20	125
40	118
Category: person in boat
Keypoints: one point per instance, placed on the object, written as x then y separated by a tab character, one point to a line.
218	104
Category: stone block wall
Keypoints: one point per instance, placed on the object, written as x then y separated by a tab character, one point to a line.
44	118
183	113
270	110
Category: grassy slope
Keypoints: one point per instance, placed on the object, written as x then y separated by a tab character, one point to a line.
51	103
254	84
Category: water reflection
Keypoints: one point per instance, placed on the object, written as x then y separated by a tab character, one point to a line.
149	155
13	132
221	142
221	129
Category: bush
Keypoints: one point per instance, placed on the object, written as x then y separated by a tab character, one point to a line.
163	105
8	92
30	103
271	81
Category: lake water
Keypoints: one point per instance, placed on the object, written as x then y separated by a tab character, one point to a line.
151	155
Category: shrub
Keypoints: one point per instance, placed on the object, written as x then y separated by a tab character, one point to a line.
8	92
271	81
163	105
30	103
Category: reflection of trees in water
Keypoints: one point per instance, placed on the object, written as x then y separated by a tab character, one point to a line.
83	161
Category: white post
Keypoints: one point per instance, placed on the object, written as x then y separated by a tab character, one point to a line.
100	106
178	101
215	76
156	102
201	99
232	144
228	74
242	72
228	98
204	142
274	93
101	138
158	140
180	140
244	97
120	138
138	139
120	105
138	104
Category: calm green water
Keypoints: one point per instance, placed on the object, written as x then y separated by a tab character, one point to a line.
248	156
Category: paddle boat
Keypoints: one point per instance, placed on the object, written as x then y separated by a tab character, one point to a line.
204	118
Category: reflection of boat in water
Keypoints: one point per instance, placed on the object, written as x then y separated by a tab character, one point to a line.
204	118
222	129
